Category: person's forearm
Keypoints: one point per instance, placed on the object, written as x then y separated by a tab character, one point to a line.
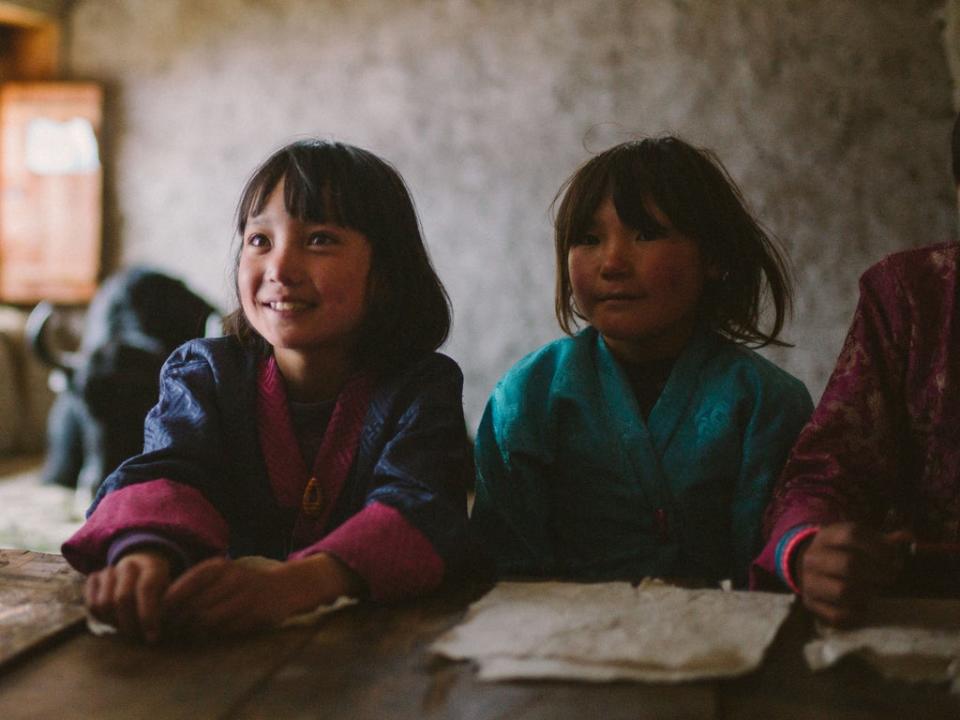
316	580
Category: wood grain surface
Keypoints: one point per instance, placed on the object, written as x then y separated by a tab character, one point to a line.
370	661
40	597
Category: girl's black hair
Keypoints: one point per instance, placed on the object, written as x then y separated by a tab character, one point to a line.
408	310
693	189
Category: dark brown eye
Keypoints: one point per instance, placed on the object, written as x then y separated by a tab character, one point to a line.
320	239
650	229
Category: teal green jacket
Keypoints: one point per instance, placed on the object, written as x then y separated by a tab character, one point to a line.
573	482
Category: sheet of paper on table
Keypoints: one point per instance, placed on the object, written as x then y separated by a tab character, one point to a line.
911	640
613	631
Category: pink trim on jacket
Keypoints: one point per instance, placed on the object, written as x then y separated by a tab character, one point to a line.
381	546
281	454
286	468
176	511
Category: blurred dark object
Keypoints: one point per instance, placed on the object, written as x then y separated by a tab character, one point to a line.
106	387
930	570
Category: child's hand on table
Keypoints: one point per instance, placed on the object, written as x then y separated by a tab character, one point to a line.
225	597
844	566
128	595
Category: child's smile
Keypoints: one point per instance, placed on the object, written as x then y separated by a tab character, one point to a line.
288	307
302	284
640	294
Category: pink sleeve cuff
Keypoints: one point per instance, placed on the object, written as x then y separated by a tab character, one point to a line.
392	556
175	511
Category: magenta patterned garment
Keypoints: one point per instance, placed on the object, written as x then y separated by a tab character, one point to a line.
883	446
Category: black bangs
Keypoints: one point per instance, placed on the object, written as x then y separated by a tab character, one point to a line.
318	186
670	174
630	186
623	175
257	190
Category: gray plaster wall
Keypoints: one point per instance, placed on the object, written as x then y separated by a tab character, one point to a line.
834	115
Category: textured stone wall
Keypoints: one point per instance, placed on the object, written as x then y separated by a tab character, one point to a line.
951	42
833	115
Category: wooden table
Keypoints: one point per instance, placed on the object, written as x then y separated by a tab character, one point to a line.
371	662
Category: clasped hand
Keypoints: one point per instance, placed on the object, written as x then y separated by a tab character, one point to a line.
844	566
215	597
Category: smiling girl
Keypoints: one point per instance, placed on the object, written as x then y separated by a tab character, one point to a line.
647	443
324	433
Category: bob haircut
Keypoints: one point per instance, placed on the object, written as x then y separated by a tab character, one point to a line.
692	188
408	310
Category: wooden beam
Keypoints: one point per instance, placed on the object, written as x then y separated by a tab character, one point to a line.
37	52
31	43
20	16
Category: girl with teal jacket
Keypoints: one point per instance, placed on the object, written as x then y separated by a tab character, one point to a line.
647	443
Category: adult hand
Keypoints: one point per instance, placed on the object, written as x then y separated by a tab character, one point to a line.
224	597
127	595
844	566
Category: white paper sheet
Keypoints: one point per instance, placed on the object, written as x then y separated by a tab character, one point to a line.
900	652
610	631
